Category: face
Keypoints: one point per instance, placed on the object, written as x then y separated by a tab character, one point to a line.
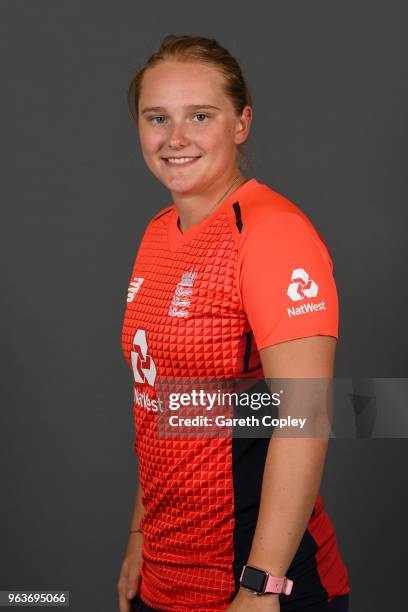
188	128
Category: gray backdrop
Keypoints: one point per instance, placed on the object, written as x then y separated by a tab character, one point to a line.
329	82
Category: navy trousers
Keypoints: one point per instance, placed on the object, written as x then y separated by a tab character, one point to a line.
338	604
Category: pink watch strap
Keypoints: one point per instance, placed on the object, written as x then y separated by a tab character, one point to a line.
278	585
275	585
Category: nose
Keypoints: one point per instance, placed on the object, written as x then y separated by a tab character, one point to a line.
177	136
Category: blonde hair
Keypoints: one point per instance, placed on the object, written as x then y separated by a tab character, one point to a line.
197	49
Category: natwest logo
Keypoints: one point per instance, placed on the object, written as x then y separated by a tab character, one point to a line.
144	368
305	308
301	286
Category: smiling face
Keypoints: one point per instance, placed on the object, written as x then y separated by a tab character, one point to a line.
188	128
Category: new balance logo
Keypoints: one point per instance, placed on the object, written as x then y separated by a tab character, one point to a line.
181	298
144	368
301	286
134	287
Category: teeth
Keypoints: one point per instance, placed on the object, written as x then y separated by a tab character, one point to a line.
179	160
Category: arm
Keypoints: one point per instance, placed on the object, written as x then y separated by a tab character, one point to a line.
129	577
293	470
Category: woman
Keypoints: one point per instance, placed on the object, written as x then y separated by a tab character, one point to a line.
231	280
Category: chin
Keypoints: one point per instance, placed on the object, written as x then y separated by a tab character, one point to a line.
180	184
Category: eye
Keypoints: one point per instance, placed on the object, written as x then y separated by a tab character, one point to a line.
153	120
201	115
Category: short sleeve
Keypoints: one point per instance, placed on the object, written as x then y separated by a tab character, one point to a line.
286	280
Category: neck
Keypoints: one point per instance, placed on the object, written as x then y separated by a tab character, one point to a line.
194	208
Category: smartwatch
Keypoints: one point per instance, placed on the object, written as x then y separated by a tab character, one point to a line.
259	582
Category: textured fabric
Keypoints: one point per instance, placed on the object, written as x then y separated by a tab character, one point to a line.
186	317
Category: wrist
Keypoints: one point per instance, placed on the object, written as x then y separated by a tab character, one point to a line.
248	600
259	581
247	595
136	531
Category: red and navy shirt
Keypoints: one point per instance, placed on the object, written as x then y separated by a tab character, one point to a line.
201	304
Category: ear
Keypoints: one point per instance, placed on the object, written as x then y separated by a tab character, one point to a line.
243	125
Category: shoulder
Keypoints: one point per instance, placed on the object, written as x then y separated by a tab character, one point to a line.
271	221
159	220
263	205
162	213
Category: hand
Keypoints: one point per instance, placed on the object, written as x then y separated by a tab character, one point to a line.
129	577
245	601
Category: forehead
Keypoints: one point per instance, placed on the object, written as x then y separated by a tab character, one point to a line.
173	82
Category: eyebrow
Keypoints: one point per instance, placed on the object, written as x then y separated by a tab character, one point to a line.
158	109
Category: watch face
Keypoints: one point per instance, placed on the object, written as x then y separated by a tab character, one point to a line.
254	579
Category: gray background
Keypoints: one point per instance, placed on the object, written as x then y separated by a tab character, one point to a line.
329	82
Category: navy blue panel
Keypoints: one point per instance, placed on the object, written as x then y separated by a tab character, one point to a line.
247	353
248	460
237	211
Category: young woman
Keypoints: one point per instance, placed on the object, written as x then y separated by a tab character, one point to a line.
231	280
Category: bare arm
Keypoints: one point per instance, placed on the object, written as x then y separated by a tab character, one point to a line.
293	469
129	577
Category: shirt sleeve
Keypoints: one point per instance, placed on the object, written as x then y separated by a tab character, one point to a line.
286	281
